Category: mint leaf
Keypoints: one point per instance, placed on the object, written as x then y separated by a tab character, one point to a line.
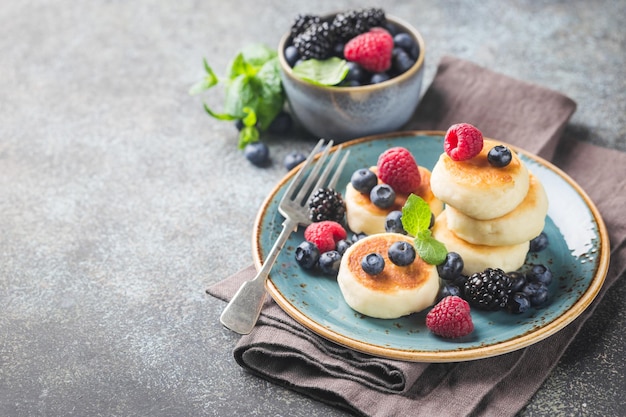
430	249
329	71
207	82
219	116
256	54
248	135
415	215
272	96
250	117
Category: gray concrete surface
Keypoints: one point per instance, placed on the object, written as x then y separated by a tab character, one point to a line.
121	201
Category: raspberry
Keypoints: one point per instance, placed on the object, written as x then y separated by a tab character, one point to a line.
325	234
463	141
397	168
450	318
372	50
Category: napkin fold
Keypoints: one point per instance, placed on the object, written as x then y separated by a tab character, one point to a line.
523	114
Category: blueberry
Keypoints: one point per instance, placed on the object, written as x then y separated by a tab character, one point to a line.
281	124
307	254
401	61
373	263
391	28
343	245
401	253
363	180
291	55
355	73
451	267
383	196
329	262
293	159
499	156
405	41
536	292
393	222
459	281
539	243
518	280
531	288
239	124
518	303
379	77
448	290
258	153
539	273
540	297
358	236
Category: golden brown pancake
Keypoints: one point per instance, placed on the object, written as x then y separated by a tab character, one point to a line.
524	223
478	189
395	292
478	257
365	217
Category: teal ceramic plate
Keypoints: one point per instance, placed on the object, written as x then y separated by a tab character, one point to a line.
578	255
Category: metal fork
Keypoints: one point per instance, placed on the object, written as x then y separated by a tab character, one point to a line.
242	312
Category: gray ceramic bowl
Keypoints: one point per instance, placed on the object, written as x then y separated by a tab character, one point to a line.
343	113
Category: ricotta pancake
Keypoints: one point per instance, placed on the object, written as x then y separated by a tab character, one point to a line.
397	291
365	217
523	223
478	189
476	258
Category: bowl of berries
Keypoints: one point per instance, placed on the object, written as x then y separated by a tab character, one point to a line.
352	74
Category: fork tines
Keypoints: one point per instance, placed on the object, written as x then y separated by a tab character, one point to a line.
315	180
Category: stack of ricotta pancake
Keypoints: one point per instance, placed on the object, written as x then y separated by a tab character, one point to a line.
491	213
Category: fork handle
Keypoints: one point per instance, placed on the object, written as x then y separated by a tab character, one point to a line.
242	312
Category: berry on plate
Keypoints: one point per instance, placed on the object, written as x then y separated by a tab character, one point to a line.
327	204
373	263
371	50
397	167
383	196
488	290
450	318
463	141
325	234
307	255
363	180
401	253
499	156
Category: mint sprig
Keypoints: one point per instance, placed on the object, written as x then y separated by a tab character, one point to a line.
416	216
253	90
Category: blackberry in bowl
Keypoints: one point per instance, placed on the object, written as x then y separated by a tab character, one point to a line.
351	74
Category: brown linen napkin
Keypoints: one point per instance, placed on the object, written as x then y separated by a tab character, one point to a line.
525	115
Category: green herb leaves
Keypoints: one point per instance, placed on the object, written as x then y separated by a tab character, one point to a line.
329	71
416	216
253	90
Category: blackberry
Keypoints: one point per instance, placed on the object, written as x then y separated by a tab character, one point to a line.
347	25
373	17
327	204
302	23
351	23
488	290
316	42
